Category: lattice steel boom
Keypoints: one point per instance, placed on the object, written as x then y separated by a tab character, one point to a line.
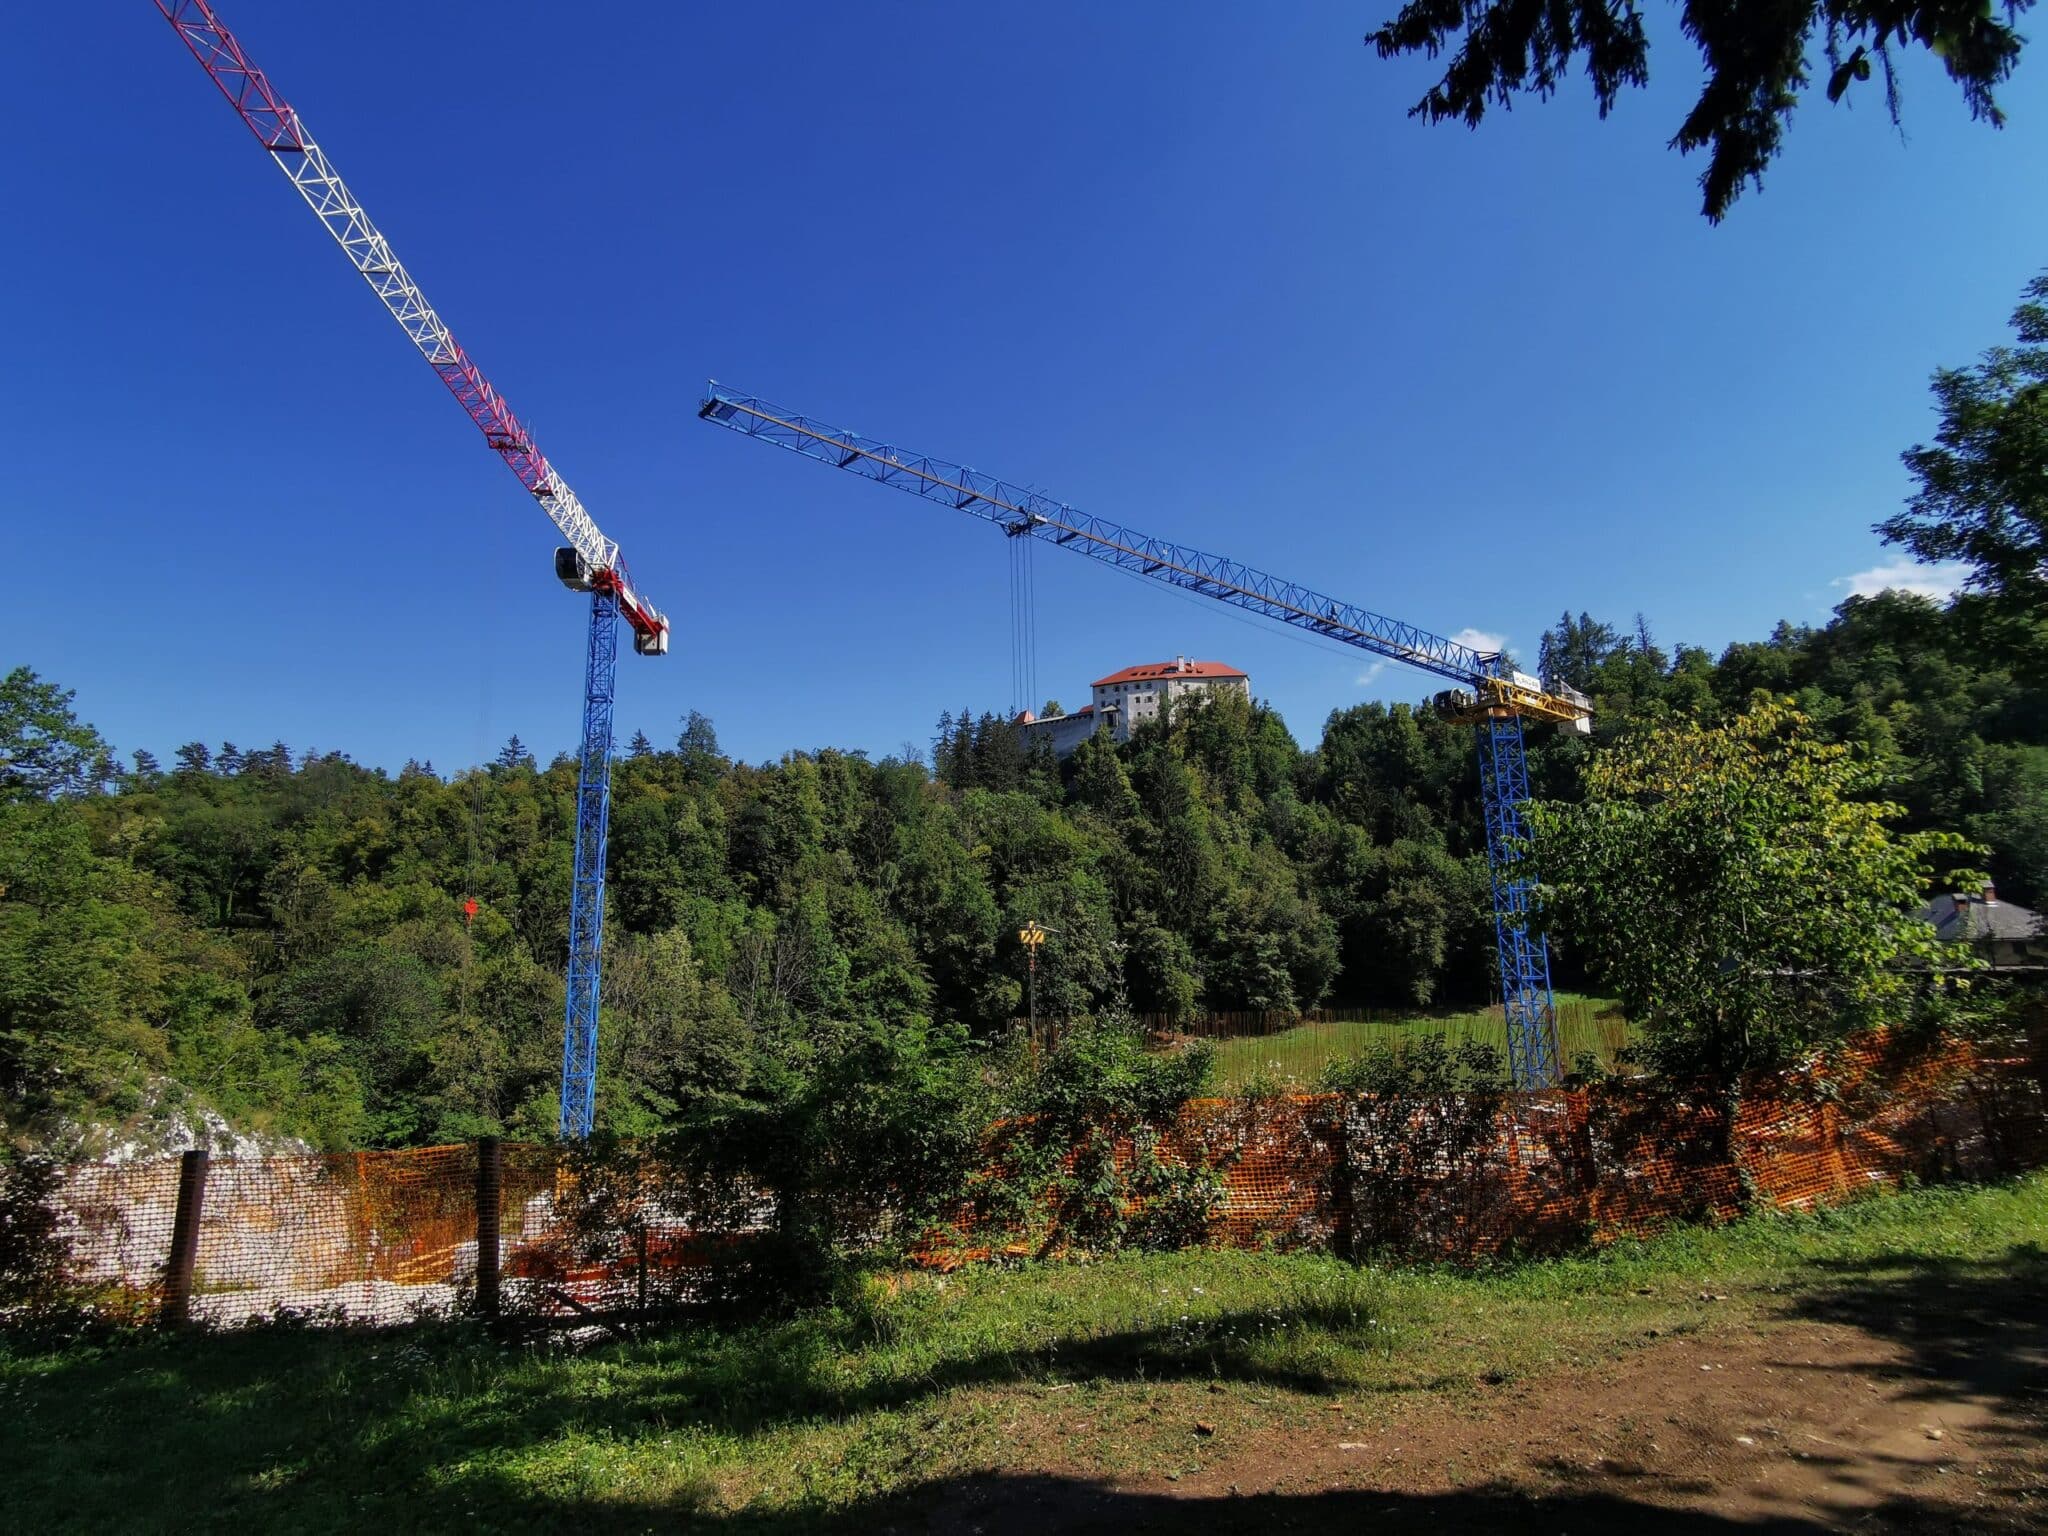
1495	696
590	562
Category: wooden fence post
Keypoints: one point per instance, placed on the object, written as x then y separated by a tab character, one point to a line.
490	1197
177	1307
490	1184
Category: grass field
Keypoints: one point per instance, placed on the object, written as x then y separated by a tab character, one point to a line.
1143	1365
1293	1057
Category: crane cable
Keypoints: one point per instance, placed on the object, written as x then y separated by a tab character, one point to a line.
1023	626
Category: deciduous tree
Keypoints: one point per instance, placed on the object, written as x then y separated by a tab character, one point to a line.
1741	889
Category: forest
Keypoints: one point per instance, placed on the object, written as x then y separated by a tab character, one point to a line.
285	937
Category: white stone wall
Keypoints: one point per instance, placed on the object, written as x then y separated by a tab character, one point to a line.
1066	732
1140	701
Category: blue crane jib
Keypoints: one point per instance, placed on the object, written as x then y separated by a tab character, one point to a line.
1492	694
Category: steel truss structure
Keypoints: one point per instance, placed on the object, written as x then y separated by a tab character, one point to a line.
1499	696
593	564
586	903
1524	957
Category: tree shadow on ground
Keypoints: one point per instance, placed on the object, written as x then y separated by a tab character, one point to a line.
1045	1505
307	1429
1979	1327
418	1426
1039	1505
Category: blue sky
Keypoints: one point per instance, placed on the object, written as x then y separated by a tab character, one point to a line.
1190	267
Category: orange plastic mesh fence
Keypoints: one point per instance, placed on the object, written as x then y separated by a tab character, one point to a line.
621	1232
1280	1164
387	1236
1459	1176
370	1236
115	1221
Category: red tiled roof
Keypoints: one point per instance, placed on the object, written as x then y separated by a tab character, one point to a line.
1160	670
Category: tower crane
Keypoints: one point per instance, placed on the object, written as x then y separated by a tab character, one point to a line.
587	562
1490	693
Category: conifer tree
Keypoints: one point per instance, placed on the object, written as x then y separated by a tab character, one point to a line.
1755	54
697	745
1983	496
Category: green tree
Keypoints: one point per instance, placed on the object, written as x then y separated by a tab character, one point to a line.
1570	655
1405	913
674	1035
381	1010
45	750
1739	889
219	856
1160	971
1983	496
1101	781
83	946
1755	55
697	745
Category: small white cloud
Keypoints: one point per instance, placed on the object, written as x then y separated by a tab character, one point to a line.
1370	675
1480	640
1940	582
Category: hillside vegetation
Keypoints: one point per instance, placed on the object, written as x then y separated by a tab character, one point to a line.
281	935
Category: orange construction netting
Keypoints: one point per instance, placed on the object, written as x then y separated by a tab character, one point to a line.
388	1236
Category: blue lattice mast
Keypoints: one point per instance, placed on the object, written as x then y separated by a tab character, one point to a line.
1524	957
586	899
1492	694
589	562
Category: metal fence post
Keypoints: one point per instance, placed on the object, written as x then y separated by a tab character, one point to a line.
490	1183
177	1306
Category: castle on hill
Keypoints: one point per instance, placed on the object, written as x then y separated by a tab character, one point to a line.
1122	701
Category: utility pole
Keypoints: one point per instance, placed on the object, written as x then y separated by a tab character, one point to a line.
1033	936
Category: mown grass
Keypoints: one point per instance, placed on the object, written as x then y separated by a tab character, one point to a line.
1099	1370
1293	1058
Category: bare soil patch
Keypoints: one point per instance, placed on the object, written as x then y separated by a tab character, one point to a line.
1915	1404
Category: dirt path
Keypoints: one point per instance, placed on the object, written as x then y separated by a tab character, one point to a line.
1811	1422
1897	1411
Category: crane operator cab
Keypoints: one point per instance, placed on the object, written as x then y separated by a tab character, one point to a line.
571	569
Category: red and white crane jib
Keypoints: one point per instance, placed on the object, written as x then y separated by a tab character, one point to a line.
595	564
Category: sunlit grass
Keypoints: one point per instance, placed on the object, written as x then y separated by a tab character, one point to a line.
1294	1058
806	1422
